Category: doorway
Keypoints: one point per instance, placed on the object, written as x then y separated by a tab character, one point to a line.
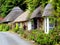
35	23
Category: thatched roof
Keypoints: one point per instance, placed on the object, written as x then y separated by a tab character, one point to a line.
22	17
16	11
48	10
37	12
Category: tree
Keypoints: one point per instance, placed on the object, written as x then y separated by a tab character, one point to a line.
32	4
7	5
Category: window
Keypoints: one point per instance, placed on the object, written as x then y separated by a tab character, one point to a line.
51	26
51	23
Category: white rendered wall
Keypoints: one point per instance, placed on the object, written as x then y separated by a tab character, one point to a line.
29	25
46	25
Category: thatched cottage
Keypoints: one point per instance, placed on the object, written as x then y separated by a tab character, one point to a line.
37	19
34	20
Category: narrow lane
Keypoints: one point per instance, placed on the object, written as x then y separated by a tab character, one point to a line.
12	39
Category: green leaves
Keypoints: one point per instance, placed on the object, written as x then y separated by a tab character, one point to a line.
4	27
7	5
32	4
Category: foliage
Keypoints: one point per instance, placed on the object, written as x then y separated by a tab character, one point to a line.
56	5
37	35
7	5
4	27
41	38
32	4
16	28
1	27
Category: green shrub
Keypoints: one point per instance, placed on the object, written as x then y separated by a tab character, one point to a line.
57	39
20	31
55	34
1	27
30	36
16	28
41	38
4	27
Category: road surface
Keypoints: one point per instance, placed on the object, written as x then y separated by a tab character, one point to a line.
7	38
